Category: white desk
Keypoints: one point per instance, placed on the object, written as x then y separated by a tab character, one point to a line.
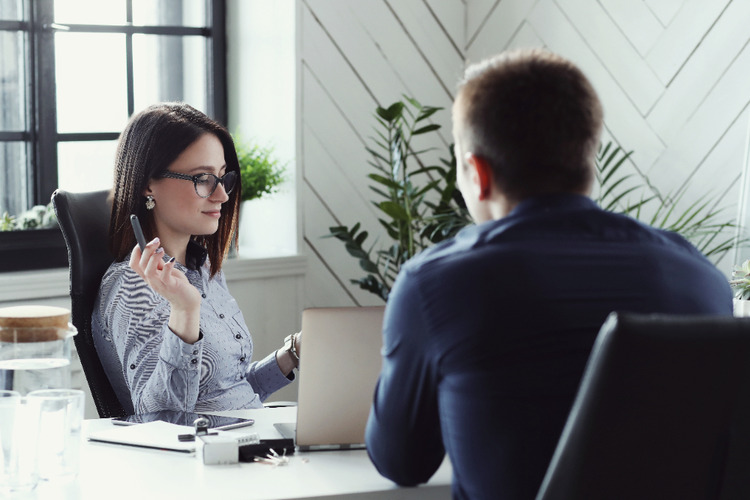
114	472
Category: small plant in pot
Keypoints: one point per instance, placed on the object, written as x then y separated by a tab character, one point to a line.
260	171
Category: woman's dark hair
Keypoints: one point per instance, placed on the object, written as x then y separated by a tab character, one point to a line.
535	118
151	141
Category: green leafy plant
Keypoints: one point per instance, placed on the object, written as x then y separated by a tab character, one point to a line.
419	204
37	217
261	173
700	222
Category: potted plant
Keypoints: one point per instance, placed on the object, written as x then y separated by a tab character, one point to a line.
261	174
260	171
419	204
37	230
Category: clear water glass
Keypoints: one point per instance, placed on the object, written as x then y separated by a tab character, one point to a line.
18	444
60	413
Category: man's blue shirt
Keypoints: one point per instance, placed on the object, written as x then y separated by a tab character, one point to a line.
486	337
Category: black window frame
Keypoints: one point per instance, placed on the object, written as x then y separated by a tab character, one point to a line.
44	248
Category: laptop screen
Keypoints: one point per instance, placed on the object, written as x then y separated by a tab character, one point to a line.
339	366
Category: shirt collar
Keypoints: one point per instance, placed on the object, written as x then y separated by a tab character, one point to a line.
556	201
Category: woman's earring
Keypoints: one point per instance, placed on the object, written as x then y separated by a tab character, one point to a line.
150	202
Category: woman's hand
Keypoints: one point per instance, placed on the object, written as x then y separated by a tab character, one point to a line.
173	285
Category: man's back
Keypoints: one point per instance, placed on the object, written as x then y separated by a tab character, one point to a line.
491	333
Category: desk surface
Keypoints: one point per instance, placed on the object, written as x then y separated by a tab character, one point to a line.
115	471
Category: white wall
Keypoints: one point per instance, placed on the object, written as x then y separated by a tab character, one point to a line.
671	75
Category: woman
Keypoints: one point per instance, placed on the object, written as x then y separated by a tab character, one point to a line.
164	320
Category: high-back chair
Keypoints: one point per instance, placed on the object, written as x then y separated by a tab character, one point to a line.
84	221
661	413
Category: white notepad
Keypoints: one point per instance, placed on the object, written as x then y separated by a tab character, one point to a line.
155	435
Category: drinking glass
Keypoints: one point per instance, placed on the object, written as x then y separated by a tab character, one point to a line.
17	443
60	413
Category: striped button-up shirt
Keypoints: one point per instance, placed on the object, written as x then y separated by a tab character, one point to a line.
160	371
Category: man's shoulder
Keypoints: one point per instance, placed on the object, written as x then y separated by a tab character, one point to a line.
451	249
450	259
550	232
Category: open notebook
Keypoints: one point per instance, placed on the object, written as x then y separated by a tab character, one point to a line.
339	367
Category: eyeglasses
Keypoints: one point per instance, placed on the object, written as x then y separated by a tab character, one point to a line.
205	184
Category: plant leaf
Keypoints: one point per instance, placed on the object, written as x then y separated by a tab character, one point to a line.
426	128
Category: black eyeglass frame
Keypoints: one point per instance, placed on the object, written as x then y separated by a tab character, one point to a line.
194	178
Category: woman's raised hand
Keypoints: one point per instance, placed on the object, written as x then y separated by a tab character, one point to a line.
173	285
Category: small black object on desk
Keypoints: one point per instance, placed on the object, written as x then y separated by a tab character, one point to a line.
283	447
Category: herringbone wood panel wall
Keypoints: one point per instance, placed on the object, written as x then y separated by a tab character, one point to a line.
672	74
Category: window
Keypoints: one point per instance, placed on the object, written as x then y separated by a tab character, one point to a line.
72	73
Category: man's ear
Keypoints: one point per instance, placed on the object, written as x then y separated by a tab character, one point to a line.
481	175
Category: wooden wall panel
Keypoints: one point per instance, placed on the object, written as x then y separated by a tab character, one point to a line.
637	21
446	14
682	35
665	10
700	133
698	75
477	13
498	29
617	53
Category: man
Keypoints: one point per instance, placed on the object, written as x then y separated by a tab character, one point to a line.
486	336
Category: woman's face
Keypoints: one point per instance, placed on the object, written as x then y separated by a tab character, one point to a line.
179	212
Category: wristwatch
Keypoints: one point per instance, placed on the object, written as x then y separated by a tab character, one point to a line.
291	347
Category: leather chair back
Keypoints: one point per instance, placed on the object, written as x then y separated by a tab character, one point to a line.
661	412
84	221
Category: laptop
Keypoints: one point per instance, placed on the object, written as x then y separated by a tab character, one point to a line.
339	367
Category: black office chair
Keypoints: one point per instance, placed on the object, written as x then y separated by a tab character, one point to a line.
661	413
84	221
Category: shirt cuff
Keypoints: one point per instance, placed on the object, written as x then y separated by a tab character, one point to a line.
178	353
266	377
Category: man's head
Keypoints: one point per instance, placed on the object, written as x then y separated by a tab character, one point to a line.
524	123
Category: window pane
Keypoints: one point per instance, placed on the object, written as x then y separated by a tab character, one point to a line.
90	11
86	166
169	12
169	68
12	76
91	82
14	186
11	10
